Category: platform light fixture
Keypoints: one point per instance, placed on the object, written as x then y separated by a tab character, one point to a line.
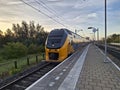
94	31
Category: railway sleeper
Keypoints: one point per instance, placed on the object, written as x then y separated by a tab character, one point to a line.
40	74
24	83
36	75
31	79
18	87
43	71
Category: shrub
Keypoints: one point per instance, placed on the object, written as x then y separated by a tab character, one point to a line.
14	50
1	58
41	48
14	71
32	49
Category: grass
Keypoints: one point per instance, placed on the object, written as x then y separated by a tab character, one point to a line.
7	68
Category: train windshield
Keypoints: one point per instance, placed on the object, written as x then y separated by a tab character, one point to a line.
56	39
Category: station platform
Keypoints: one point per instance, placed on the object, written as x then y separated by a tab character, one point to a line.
86	72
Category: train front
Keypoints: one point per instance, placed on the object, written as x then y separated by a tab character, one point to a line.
55	48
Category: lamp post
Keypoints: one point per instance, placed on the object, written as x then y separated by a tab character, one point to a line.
92	36
94	30
76	31
97	35
105	60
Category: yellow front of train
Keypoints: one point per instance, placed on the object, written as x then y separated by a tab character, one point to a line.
57	46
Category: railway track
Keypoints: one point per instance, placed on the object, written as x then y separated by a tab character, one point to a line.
113	51
24	81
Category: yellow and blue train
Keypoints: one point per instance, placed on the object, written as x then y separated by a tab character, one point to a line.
61	43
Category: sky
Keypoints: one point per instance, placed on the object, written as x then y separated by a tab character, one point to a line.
71	14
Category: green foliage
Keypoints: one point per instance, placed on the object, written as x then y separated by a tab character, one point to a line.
42	48
14	50
1	38
32	49
1	54
14	71
26	33
114	38
1	59
29	35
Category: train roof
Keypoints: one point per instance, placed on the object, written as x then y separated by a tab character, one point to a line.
62	30
57	32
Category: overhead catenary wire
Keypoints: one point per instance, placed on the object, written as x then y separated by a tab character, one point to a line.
48	8
43	13
52	11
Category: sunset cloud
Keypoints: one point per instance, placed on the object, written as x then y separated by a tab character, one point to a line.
75	14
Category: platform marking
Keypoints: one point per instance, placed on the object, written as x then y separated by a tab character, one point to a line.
49	73
70	81
64	70
109	59
57	78
61	73
51	84
66	67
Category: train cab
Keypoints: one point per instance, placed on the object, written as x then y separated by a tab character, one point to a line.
60	44
54	45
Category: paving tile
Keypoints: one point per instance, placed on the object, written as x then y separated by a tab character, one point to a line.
97	75
89	87
97	88
107	89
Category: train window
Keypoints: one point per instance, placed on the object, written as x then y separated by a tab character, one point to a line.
69	32
74	36
71	42
54	36
55	41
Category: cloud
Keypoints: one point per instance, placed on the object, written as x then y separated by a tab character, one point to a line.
54	0
5	21
15	3
92	15
80	19
75	13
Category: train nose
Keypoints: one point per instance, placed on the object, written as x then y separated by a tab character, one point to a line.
53	56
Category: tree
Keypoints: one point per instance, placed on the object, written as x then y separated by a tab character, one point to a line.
1	38
9	36
26	33
32	30
14	50
1	33
25	30
114	38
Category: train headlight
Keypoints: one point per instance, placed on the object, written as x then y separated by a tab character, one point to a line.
57	50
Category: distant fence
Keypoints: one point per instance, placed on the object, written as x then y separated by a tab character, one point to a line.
14	66
115	44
